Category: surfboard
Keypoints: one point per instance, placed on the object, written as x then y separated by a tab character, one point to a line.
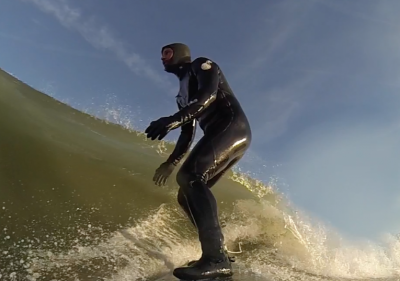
239	274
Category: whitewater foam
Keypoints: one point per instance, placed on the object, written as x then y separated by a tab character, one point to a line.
276	245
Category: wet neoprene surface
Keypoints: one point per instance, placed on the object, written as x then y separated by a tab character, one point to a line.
206	97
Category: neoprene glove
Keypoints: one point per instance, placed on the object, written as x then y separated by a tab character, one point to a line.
159	128
162	173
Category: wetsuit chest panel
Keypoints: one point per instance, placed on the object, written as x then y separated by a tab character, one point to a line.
183	96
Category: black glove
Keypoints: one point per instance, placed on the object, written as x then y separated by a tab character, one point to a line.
159	128
162	173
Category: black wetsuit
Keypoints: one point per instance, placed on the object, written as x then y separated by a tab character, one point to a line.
206	96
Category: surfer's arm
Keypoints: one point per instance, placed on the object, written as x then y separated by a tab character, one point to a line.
207	75
184	142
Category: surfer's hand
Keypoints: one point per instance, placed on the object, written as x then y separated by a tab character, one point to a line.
162	173
159	128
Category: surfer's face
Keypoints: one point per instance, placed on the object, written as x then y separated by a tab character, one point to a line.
167	55
174	55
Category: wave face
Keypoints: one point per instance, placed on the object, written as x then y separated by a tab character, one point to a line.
77	203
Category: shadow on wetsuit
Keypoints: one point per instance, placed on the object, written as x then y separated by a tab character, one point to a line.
205	95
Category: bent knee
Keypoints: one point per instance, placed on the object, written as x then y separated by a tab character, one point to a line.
184	178
181	198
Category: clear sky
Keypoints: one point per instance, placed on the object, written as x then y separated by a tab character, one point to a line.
319	79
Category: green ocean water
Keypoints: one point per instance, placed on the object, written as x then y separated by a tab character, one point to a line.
77	203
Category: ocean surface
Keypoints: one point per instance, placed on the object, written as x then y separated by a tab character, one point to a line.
77	203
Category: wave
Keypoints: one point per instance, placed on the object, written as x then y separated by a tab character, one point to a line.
78	204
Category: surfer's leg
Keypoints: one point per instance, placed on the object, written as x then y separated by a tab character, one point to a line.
216	178
184	205
202	206
210	158
181	196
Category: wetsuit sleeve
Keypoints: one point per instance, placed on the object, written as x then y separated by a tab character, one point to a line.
207	75
185	140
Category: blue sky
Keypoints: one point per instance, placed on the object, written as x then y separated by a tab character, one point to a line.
319	80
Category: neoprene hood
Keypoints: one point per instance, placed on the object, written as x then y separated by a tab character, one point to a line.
180	57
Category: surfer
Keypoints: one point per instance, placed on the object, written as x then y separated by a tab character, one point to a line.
204	97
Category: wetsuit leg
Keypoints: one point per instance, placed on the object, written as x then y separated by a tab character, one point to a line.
217	177
181	196
184	205
212	155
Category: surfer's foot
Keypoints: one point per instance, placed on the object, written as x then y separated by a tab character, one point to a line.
205	268
190	263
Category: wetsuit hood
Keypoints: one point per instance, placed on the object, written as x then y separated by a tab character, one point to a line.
181	56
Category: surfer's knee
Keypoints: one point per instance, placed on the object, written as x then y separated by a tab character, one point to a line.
184	178
181	198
